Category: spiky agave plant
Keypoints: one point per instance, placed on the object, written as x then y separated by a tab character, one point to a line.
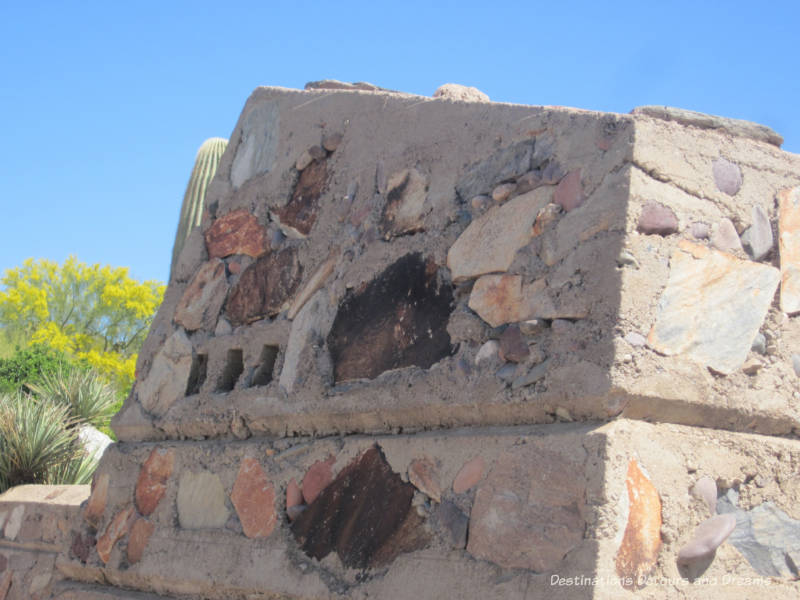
205	165
87	397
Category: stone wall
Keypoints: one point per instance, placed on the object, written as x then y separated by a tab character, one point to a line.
434	348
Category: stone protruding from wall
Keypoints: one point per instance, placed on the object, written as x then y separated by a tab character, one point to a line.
452	348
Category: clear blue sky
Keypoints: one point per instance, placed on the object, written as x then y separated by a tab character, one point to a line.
103	105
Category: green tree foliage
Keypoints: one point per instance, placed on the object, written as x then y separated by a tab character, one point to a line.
98	315
27	366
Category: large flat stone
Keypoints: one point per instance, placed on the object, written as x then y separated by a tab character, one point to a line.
237	232
201	501
712	307
253	496
203	299
166	381
789	239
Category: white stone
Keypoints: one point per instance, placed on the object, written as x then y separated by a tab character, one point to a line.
14	522
201	501
94	441
258	145
310	323
460	93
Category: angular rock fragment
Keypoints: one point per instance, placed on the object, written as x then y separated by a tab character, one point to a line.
398	320
118	527
359	513
789	241
299	215
513	346
317	478
423	475
264	287
453	523
253	497
707	538
237	232
405	207
166	381
757	239
151	485
501	299
96	505
202	301
725	237
316	281
641	541
712	307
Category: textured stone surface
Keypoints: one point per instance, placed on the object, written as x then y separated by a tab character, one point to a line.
757	239
14	522
789	241
256	149
151	484
96	505
657	219
502	192
166	381
264	287
253	496
203	299
310	324
569	191
116	529
423	475
469	474
237	232
398	320
707	538
527	512
513	346
299	215
725	238
141	531
405	207
712	307
317	478
316	281
201	501
705	488
490	242
498	299
460	93
727	176
454	523
641	541
357	513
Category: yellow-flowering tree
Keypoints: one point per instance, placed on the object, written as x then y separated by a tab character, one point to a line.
98	314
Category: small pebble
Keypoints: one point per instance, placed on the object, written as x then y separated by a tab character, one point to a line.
700	230
529	181
317	152
487	353
563	414
507	372
727	176
513	346
752	366
303	160
331	141
480	203
532	376
626	358
637	340
657	219
707	538
759	344
627	258
503	191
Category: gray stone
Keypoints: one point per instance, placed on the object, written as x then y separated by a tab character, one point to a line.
759	344
796	364
532	376
201	501
707	538
167	379
311	323
757	239
507	372
712	307
635	339
460	93
727	176
736	127
700	230
453	523
487	353
507	163
256	149
705	488
725	238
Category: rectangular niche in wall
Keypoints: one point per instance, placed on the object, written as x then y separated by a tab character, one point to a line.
197	374
266	363
234	365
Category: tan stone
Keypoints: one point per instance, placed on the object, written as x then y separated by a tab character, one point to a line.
469	474
317	478
151	484
166	381
460	93
316	281
789	240
405	207
424	476
201	501
5	584
294	496
641	541
712	307
501	299
118	527
238	232
254	499
490	242
202	301
96	505
141	531
527	513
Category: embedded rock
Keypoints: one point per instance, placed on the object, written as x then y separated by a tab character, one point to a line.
96	505
117	528
460	93
237	232
317	478
201	501
405	204
152	482
166	381
569	191
706	489
657	219
707	538
203	299
727	176
789	239
298	216
641	541
141	531
725	238
423	475
757	239
258	143
253	497
470	474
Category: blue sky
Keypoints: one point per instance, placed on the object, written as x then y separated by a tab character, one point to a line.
103	105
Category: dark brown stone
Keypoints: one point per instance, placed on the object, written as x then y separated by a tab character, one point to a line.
513	346
398	320
300	213
82	546
238	232
263	287
364	515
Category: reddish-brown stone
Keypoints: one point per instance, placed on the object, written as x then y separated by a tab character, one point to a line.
469	475
82	546
398	320
152	482
424	476
641	541
238	232
300	213
364	515
5	584
254	499
657	219
527	512
569	193
318	476
118	527
513	346
141	531
264	287
96	505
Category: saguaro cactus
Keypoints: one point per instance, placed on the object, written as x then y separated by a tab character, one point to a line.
205	165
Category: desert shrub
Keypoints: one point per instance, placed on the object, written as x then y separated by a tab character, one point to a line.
86	395
27	365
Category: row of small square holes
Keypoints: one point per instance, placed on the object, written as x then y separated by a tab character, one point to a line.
234	366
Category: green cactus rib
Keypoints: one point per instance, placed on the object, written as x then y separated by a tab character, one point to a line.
205	165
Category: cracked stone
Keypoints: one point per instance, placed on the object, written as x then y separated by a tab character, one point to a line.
638	551
237	232
712	307
727	176
202	301
491	241
757	239
657	219
253	497
789	244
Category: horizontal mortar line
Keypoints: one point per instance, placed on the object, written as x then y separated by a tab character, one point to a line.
31	546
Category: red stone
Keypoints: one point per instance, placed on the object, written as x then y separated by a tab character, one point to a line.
97	501
638	552
300	213
118	527
254	499
513	346
569	193
238	232
152	482
469	475
141	531
317	477
264	287
423	475
657	219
